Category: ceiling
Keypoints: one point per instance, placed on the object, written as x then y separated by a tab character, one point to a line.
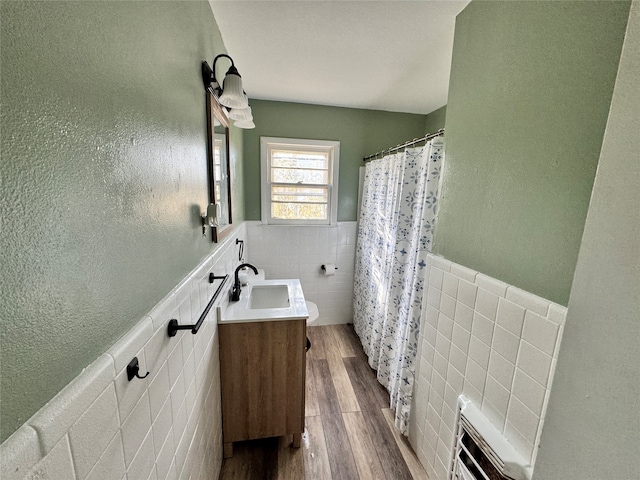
379	55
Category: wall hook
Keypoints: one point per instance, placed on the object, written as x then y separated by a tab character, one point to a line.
133	370
240	249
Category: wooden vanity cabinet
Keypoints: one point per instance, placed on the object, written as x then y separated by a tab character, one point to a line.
262	373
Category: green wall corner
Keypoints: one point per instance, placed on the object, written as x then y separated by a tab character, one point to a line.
529	94
435	120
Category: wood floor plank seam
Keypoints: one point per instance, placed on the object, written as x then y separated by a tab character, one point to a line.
390	456
364	452
316	458
341	461
339	376
344	345
311	401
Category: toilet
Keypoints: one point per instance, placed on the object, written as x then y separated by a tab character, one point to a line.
312	308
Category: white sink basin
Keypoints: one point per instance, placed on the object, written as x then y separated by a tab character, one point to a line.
269	296
266	300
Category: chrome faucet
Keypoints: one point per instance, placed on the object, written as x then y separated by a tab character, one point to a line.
235	291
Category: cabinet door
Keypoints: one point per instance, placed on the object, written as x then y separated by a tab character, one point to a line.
262	374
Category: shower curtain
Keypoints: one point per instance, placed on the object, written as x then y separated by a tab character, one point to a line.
398	211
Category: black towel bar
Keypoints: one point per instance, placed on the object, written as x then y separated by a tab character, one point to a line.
173	323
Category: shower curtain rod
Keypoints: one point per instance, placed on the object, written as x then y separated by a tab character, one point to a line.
428	136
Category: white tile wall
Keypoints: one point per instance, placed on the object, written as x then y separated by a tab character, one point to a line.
298	252
493	342
166	426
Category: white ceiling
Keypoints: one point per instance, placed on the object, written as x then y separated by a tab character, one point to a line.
380	55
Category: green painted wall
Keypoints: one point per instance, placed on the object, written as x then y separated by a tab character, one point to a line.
236	155
435	120
360	132
592	426
103	179
530	88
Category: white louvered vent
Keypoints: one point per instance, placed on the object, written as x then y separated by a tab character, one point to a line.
481	452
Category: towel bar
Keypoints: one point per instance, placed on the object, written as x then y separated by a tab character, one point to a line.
173	323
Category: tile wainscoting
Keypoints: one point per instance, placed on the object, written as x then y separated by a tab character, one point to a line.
479	336
493	342
299	251
166	426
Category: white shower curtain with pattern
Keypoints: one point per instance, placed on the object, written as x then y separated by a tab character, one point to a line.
397	216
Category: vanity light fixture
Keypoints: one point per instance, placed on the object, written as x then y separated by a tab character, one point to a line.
231	95
242	117
245	123
241	114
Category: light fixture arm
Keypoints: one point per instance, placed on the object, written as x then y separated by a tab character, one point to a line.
230	93
209	74
232	68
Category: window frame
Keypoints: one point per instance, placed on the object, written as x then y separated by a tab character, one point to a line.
331	146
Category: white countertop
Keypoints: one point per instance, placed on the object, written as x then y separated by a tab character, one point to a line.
239	312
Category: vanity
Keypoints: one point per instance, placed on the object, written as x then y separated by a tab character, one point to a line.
262	362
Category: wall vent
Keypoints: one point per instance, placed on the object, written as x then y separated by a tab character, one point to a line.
481	452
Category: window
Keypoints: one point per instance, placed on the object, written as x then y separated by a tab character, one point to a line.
299	181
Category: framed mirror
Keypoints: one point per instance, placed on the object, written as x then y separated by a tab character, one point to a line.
218	168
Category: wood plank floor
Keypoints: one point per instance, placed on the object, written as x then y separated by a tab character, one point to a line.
349	431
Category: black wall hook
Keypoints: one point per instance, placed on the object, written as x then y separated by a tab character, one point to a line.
133	370
240	249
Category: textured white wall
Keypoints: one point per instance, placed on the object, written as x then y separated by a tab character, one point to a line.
592	429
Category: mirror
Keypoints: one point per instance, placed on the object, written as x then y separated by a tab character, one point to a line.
218	169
